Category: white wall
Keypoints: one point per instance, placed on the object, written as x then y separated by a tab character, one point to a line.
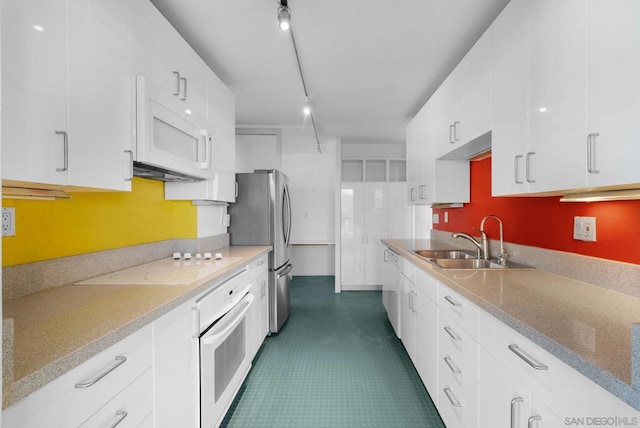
312	181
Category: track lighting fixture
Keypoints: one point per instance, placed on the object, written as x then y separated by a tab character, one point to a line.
284	19
284	16
307	107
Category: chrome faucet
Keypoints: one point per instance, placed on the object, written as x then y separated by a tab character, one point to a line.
502	257
480	246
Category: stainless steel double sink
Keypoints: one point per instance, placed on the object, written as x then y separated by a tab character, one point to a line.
460	259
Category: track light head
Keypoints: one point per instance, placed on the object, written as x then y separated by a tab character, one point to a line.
284	18
307	107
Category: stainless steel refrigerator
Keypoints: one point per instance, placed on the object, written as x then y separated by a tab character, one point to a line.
261	215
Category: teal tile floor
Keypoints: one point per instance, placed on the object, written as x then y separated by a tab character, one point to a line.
336	363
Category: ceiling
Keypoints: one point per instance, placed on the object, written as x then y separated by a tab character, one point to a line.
369	65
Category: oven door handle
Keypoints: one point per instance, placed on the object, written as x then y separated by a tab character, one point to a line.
228	322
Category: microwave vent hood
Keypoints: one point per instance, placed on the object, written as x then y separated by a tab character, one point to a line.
157	173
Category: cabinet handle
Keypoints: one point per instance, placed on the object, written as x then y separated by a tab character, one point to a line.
206	140
421	194
184	96
119	361
386	256
528	167
452	366
451	134
452	334
514	401
455	131
415	302
261	262
413	193
121	414
177	91
65	141
130	165
591	161
516	169
236	191
536	365
452	398
411	300
453	302
533	419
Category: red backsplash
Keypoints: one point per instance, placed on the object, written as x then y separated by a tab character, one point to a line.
546	222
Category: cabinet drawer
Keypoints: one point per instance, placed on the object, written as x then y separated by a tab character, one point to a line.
456	409
458	355
131	406
62	404
460	309
427	283
568	392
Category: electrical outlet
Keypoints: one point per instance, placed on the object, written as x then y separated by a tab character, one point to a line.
9	221
436	218
584	229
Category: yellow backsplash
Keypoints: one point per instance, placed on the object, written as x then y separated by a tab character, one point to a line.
98	221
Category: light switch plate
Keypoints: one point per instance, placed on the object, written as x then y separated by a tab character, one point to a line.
9	221
584	228
436	218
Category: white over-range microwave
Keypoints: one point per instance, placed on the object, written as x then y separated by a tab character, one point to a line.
168	146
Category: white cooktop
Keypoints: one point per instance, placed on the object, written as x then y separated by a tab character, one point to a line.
162	272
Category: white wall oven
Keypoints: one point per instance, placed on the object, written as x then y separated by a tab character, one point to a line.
224	338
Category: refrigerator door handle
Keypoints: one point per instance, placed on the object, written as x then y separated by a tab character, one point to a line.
285	271
286	215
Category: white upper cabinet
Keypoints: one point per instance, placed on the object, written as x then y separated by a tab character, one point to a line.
614	92
34	92
510	98
557	95
473	78
175	75
100	120
463	101
66	77
566	96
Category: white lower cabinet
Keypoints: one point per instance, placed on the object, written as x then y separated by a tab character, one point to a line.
391	291
505	402
259	316
426	352
175	368
82	396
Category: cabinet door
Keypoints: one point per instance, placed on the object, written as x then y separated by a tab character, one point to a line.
614	91
407	317
474	91
509	136
445	105
352	233
175	368
557	101
375	220
100	97
413	162
426	353
503	401
175	75
34	91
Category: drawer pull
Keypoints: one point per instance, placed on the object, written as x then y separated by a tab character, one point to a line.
452	398
452	365
121	414
533	419
453	302
119	361
516	400
516	350
452	334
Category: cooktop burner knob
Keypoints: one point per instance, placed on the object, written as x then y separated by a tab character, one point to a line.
187	256
176	256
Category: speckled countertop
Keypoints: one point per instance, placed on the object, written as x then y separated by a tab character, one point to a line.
58	329
590	328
